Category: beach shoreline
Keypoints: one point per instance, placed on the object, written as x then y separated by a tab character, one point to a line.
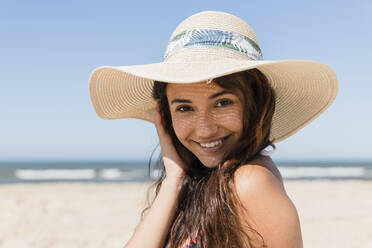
332	213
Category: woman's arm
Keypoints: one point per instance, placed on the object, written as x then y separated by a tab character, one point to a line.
153	229
268	209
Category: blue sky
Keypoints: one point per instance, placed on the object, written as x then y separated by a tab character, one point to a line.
49	48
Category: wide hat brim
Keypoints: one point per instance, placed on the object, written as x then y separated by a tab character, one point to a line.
304	89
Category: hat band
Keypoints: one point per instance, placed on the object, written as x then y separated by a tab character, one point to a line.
217	38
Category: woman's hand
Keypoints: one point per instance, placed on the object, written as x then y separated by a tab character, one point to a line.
172	162
154	227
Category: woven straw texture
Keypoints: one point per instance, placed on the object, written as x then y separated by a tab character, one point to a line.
304	89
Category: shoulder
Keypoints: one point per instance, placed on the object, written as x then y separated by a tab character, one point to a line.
258	173
266	205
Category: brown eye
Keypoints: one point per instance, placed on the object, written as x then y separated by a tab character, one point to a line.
224	102
183	108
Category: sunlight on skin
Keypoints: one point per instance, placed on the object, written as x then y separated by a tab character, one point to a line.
199	117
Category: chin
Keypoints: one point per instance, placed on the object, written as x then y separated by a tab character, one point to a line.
210	163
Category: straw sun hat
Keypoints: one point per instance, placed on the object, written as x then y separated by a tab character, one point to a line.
207	45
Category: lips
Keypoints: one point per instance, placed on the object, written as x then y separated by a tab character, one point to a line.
214	145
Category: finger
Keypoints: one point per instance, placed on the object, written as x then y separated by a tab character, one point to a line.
157	115
164	137
168	150
158	122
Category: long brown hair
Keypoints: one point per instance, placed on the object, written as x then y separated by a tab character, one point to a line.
208	200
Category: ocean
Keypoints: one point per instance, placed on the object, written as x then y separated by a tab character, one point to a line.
125	171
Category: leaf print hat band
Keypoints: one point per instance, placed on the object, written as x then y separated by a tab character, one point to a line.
205	46
217	38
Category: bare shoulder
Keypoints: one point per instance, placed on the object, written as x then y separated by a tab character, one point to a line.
266	206
258	173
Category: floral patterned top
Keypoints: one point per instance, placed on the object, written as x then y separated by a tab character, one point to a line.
193	242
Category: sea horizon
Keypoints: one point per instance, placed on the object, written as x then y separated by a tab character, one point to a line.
104	171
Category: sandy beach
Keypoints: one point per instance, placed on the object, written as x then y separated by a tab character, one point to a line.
332	213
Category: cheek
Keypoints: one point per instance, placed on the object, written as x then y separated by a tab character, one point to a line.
182	126
232	119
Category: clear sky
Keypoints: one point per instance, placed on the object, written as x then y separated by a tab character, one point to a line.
49	48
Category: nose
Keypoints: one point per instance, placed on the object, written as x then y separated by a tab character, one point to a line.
206	126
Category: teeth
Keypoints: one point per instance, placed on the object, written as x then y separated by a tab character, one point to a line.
212	144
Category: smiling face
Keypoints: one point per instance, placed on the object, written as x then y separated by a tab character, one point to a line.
207	119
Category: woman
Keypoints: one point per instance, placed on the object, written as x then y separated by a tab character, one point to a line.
216	106
218	128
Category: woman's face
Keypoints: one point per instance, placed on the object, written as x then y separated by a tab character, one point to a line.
207	119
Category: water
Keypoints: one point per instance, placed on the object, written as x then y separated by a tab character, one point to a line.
332	170
70	171
101	172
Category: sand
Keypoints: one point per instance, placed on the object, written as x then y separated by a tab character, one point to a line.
332	213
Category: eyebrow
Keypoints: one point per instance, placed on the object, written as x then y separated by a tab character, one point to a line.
178	100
